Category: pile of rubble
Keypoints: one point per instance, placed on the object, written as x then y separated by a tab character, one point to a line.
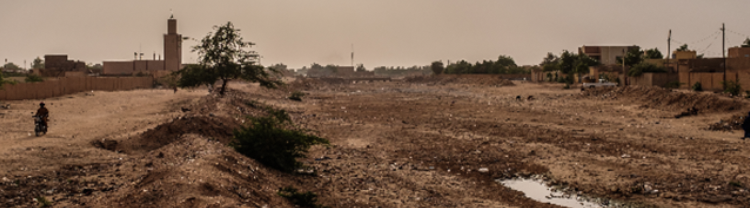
731	124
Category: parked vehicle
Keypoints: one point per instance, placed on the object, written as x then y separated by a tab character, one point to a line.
601	83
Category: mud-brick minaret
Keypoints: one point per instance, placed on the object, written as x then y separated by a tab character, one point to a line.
172	47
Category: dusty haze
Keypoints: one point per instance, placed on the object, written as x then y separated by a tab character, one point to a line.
384	32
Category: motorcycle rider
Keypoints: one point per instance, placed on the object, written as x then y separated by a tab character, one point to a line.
43	113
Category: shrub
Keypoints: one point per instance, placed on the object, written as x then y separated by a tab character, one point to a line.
732	87
638	69
306	199
697	87
33	78
140	74
673	85
567	86
43	202
4	81
274	141
735	184
296	95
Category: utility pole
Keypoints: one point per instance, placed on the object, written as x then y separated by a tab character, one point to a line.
669	49
623	66
722	53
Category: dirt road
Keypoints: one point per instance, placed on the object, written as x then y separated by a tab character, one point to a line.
417	143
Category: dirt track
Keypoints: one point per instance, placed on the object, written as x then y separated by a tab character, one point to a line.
395	144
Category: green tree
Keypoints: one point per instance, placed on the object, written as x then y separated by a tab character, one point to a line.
361	68
224	55
437	67
549	59
4	81
34	78
550	63
505	61
683	47
279	66
11	66
640	68
567	62
38	63
582	64
746	43
654	53
632	57
570	64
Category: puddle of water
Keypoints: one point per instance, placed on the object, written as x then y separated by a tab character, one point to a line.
537	190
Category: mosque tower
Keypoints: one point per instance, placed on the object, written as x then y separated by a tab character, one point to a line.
172	47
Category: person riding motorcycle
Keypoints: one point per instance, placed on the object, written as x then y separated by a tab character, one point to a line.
43	113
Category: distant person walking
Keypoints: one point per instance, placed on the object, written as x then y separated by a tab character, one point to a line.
746	126
175	89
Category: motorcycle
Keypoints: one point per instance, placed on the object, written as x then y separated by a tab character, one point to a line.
39	126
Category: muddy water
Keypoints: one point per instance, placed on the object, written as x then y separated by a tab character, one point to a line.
537	190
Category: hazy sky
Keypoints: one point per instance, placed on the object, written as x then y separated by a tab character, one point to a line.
384	32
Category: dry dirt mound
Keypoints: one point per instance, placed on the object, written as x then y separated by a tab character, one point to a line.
665	99
486	80
196	172
733	123
210	127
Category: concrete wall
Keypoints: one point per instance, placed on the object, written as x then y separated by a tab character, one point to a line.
70	85
118	68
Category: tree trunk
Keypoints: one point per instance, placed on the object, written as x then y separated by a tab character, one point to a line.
223	87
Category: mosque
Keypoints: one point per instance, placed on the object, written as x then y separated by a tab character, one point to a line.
172	58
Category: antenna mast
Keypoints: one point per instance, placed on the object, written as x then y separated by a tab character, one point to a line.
352	54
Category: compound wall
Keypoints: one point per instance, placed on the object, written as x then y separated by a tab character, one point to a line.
70	85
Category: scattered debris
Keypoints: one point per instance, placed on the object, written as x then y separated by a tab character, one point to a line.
733	123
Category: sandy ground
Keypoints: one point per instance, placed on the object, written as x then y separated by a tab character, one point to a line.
394	144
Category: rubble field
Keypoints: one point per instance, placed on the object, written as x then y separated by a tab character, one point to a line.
415	142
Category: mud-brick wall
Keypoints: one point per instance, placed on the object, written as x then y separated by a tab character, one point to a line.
662	79
654	79
709	81
70	85
537	76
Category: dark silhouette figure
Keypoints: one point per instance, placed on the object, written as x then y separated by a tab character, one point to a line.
746	126
42	113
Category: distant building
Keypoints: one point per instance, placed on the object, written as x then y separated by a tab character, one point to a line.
738	52
606	55
684	55
58	65
172	57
